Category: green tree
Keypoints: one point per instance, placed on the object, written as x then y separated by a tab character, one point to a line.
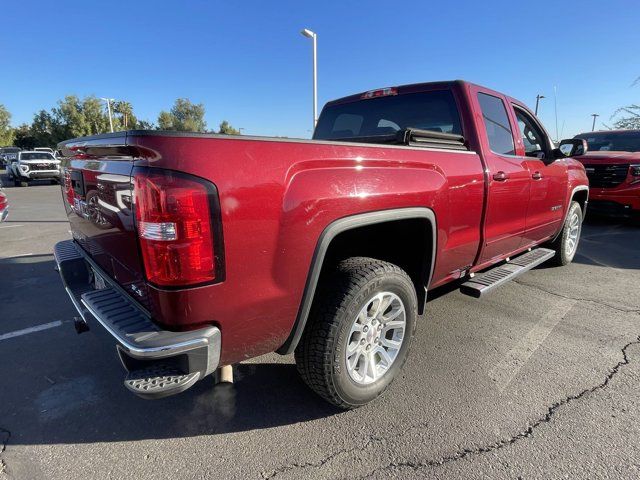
145	125
183	116
96	120
6	132
127	119
43	129
165	121
227	129
24	138
70	118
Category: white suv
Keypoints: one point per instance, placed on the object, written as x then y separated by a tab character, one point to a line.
34	165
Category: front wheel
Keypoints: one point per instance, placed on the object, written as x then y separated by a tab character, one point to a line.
359	332
566	244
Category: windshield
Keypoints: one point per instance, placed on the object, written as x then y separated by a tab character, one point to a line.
36	156
612	141
435	111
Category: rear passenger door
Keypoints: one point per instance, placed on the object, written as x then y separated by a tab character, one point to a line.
548	178
509	177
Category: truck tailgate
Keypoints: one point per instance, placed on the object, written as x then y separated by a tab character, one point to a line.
97	193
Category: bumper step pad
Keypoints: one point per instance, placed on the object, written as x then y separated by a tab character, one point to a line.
491	279
159	380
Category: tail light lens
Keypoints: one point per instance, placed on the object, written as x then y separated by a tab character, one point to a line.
173	215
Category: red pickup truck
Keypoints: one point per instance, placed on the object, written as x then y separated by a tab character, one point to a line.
612	163
196	251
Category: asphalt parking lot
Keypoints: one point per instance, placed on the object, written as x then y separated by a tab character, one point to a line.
540	380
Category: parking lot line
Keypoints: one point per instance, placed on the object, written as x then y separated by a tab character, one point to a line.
10	226
26	331
507	368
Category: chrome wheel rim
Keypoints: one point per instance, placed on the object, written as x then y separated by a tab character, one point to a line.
573	235
375	338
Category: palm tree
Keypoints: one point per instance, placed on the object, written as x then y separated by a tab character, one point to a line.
125	109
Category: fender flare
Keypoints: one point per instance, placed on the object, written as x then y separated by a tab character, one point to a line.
579	188
327	236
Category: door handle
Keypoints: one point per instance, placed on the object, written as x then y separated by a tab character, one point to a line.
536	175
500	176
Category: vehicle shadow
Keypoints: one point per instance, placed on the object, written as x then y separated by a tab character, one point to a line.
609	242
63	388
7	183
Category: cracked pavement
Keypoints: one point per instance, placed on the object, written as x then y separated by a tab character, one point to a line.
566	339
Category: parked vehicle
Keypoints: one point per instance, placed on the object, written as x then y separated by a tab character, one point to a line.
45	149
213	249
32	165
4	204
9	154
612	163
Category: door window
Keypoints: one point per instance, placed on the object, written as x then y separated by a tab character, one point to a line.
496	123
533	138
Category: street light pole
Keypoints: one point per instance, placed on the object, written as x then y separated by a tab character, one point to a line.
594	115
109	100
538	97
312	35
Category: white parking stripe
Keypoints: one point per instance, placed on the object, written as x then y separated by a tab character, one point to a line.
25	331
10	226
20	255
504	372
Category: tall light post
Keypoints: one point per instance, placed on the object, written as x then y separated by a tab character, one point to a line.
594	115
109	100
538	97
313	36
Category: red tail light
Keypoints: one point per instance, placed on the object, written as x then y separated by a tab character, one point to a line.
174	220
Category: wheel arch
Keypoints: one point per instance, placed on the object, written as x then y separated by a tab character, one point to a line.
581	195
358	225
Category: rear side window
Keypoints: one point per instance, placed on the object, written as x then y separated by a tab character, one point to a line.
497	124
435	111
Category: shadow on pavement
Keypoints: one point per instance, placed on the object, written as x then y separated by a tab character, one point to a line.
59	387
610	242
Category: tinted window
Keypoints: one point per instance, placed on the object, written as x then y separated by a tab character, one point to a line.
36	156
435	111
612	141
533	138
497	124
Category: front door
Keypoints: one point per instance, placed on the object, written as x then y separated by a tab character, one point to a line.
509	181
548	179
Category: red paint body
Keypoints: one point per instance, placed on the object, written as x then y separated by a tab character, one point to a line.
277	196
627	192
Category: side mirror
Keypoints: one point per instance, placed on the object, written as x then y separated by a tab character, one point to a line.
572	147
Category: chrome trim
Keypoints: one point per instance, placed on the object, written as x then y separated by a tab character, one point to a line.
155	352
163	351
74	301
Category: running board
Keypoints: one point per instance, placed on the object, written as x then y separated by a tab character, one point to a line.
489	280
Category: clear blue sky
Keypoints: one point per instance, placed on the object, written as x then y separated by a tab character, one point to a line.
247	62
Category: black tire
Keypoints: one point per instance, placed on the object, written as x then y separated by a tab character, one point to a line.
560	244
320	355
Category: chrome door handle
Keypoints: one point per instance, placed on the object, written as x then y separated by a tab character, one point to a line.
536	175
500	176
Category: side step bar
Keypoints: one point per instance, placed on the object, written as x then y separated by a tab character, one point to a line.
489	280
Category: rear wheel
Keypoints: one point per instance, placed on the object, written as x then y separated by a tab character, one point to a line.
566	245
359	332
